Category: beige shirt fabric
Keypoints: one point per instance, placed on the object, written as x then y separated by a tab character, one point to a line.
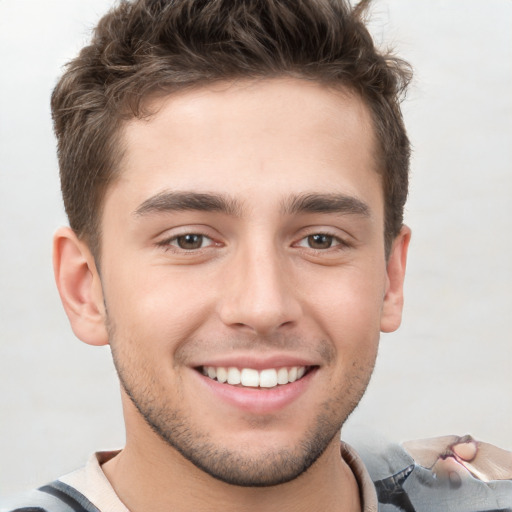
94	485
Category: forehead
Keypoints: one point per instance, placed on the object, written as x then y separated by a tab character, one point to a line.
266	135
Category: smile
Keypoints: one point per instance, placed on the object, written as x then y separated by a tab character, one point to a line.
249	377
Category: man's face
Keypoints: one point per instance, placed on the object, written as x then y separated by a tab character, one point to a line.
244	240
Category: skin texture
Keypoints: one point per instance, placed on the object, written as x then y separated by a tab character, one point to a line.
257	290
454	458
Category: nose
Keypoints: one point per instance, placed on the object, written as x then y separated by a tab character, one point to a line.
258	295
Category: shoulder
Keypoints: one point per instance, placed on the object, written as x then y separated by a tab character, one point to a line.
54	497
445	474
84	490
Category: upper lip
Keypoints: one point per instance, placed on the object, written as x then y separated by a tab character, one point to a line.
257	362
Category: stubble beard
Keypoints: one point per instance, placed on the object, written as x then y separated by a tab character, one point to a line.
272	466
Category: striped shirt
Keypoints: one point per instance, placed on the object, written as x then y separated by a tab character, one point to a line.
447	474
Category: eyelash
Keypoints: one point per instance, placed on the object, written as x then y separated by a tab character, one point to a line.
168	244
173	244
336	242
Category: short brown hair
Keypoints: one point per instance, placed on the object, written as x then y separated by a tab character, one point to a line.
147	47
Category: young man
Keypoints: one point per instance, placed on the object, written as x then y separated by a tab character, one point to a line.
234	175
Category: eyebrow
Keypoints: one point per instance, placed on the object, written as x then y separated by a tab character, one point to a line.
168	201
326	203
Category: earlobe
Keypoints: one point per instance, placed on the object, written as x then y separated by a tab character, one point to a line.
79	287
394	298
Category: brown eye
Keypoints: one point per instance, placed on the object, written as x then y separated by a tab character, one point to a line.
190	241
320	241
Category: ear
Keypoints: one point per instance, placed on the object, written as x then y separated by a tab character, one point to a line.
79	286
394	298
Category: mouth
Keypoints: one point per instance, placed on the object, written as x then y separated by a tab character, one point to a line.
268	378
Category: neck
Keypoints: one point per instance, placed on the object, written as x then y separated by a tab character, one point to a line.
158	478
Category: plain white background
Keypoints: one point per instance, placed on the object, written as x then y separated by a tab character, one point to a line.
449	368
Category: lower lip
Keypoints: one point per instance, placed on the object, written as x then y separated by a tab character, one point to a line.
258	400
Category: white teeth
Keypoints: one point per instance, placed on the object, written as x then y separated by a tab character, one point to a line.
222	374
268	378
233	376
282	376
249	377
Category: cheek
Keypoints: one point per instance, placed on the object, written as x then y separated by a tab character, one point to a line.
350	304
156	308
